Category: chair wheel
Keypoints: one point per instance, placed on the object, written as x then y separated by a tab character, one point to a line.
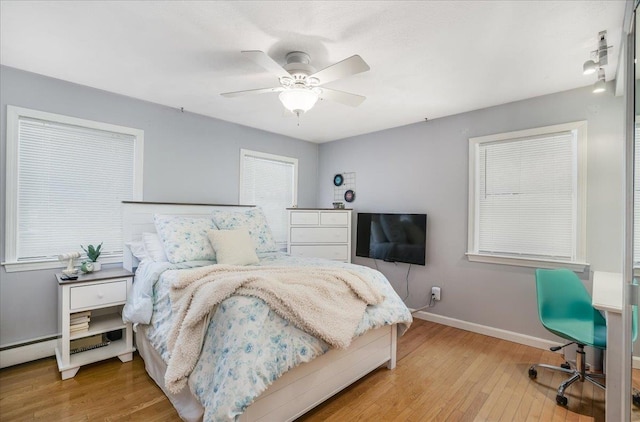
561	400
636	399
533	373
565	365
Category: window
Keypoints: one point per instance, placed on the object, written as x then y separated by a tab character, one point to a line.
527	197
270	181
66	179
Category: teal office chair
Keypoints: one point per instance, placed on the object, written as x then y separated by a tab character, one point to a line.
565	309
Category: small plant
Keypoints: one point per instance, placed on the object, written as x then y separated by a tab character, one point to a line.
92	252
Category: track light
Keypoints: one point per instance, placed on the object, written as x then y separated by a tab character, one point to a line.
589	67
602	56
600	85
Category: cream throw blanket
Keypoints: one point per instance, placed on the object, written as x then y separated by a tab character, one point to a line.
325	302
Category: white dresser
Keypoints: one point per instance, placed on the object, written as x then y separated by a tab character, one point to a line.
321	233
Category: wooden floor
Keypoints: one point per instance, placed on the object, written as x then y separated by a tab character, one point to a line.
443	374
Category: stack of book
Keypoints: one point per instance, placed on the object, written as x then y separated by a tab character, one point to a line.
79	322
87	343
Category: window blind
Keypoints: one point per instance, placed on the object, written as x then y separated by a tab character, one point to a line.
71	181
269	183
527	197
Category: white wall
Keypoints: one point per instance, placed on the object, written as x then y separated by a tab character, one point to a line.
424	168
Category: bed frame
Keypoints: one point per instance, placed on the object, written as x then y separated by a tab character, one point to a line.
297	391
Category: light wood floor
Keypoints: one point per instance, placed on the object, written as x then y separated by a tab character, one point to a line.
443	374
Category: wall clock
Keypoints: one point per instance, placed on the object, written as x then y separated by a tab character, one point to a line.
349	195
338	179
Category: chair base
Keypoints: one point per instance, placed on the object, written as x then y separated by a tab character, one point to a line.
578	373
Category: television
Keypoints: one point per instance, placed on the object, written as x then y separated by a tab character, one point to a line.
392	237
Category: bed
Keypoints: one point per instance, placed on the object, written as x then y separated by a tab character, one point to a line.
301	370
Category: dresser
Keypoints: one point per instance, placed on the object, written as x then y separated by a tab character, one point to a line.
320	233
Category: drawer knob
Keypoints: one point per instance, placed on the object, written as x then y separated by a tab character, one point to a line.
100	295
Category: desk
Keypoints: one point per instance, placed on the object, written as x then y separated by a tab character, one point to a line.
607	296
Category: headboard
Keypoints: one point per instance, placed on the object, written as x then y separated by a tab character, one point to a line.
137	218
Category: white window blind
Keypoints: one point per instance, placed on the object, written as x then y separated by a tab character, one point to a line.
526	196
526	199
269	181
70	181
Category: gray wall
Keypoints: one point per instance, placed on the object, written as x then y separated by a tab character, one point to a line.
415	168
187	158
424	168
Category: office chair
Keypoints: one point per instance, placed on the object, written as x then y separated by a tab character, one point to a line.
565	309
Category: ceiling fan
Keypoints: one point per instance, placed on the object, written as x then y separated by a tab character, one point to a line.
300	83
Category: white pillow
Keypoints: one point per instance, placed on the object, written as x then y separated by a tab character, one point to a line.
137	249
233	247
185	238
153	247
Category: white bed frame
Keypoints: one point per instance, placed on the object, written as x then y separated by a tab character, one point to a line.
297	391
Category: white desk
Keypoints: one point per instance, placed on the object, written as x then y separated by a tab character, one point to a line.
607	291
607	296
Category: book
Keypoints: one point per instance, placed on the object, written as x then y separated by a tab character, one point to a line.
79	320
80	314
83	326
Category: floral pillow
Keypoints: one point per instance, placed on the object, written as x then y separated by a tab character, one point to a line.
185	238
254	221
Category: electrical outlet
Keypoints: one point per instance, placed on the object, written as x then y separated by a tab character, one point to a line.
435	292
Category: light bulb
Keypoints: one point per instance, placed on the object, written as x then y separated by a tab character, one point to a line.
298	100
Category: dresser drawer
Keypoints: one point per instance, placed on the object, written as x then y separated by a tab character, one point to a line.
335	252
304	218
319	235
97	295
334	218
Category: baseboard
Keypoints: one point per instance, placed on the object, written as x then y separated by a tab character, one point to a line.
42	349
27	353
539	343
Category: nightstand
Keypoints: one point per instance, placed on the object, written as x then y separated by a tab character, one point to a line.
104	294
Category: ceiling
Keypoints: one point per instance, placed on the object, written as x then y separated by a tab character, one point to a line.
428	59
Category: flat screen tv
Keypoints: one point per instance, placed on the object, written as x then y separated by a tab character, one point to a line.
392	237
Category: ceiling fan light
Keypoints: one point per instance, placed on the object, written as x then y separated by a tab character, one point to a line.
298	100
589	67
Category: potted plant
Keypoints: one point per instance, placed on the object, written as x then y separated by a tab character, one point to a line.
93	253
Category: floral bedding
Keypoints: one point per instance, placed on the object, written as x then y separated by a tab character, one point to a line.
246	346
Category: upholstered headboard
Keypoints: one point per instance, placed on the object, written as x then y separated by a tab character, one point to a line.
137	218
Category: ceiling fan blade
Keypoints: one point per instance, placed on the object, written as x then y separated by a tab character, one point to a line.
252	91
342	97
267	63
346	67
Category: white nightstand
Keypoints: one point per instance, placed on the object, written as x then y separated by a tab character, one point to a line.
104	294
